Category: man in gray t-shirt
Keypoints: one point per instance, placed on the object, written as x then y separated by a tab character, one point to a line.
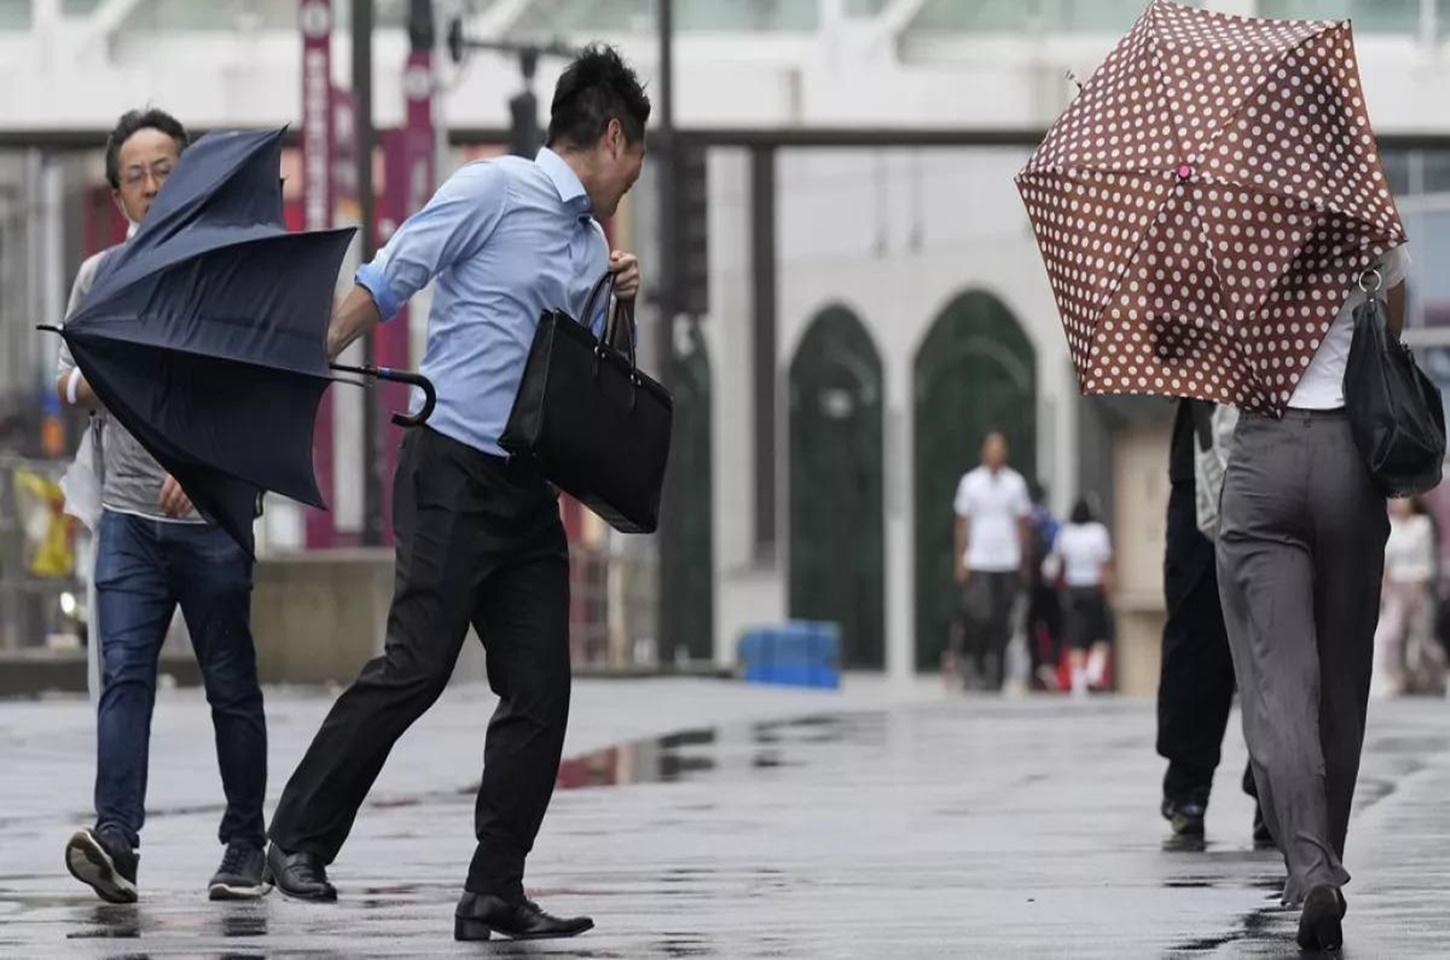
154	553
132	481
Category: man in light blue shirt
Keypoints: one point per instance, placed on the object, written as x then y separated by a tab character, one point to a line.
479	540
506	240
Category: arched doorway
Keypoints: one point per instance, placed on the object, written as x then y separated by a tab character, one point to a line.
837	550
976	371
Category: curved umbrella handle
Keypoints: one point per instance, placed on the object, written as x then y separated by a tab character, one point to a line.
430	396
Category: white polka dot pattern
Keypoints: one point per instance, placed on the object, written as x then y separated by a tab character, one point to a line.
1206	204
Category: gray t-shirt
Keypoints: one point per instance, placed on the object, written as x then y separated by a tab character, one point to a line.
132	478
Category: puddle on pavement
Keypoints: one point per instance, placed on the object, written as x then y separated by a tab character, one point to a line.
695	753
109	922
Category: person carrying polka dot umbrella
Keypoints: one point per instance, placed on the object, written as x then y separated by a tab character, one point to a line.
1207	202
1212	210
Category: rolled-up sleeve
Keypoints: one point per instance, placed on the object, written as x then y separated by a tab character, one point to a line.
452	227
1395	265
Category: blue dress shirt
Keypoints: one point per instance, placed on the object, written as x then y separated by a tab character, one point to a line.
506	239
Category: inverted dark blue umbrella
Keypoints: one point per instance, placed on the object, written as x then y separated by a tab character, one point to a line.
205	335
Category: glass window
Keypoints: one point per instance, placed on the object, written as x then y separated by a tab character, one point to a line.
864	8
1435	171
1368	16
78	8
1397	169
1428	288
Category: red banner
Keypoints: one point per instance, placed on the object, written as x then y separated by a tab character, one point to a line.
314	22
314	18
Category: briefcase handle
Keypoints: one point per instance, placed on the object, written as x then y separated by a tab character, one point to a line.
605	285
623	310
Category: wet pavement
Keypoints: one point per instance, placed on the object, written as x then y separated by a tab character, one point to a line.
707	819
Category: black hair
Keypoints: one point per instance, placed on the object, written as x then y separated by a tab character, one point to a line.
134	121
1036	491
596	88
1082	511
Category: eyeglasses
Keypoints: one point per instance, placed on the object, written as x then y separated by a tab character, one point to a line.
135	176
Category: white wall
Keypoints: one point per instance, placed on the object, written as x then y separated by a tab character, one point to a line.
65	76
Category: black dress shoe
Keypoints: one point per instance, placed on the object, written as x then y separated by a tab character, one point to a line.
1320	925
1186	816
479	915
300	875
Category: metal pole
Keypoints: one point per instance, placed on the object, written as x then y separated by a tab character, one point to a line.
664	149
763	334
673	616
362	87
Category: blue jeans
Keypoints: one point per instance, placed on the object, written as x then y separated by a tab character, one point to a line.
144	568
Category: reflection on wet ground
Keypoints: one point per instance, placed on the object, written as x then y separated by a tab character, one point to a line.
950	830
697	753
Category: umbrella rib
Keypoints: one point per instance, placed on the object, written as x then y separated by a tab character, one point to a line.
243	361
1243	105
1127	264
1073	171
1212	181
1218	277
1163	84
223	242
168	216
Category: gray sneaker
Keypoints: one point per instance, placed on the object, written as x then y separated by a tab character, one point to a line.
105	862
240	875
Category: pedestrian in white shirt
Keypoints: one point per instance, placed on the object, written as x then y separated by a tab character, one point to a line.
1082	556
1408	656
992	507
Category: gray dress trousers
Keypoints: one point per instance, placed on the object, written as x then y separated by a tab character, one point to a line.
1300	557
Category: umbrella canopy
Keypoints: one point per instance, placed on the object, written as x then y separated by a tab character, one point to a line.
1207	203
205	334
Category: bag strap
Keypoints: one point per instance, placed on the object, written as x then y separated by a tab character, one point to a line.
623	313
603	284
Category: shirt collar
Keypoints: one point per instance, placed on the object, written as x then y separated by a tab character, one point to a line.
565	180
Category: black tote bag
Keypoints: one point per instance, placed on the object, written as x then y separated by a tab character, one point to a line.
1395	411
597	427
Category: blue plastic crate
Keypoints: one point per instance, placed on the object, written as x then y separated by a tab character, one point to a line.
796	653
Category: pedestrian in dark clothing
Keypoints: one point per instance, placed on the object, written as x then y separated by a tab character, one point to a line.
1196	685
479	537
1044	610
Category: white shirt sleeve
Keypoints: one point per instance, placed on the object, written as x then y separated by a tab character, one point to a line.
1395	265
1105	545
963	502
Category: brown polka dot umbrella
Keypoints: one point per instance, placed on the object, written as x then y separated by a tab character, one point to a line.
1207	203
